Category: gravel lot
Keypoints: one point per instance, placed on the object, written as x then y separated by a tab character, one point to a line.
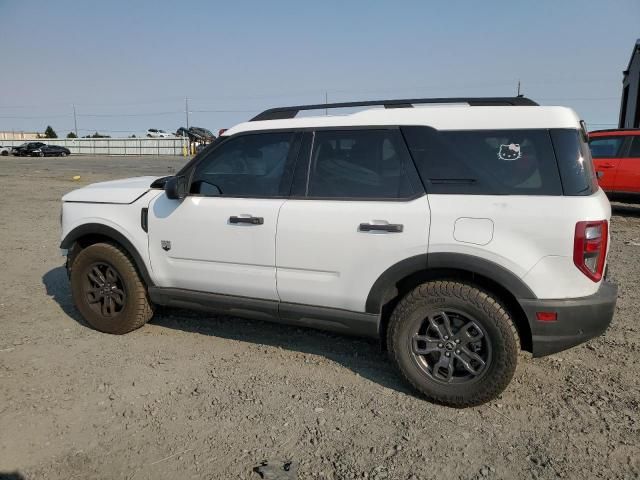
192	395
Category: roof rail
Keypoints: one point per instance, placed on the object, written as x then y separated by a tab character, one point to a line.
282	113
620	129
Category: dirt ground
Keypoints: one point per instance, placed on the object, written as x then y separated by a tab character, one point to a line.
197	396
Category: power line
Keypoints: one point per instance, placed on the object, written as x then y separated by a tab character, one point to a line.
227	111
150	114
27	117
575	99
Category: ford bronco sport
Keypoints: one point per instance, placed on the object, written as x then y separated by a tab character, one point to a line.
456	234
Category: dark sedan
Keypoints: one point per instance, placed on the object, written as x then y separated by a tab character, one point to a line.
26	148
50	151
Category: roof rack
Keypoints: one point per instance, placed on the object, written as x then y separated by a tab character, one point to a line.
282	113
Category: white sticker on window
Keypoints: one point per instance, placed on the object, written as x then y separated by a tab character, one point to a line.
509	152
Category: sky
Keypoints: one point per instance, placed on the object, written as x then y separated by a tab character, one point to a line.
129	65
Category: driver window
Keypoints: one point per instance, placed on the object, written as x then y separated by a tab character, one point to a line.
253	165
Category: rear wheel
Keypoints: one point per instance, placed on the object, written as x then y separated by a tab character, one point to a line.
108	291
5	153
454	342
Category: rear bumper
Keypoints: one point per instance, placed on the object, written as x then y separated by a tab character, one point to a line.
579	319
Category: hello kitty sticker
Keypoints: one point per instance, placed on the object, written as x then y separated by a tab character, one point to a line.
509	152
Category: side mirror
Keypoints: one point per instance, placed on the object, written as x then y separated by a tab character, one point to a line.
176	188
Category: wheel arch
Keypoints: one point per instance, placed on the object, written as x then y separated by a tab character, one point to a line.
402	277
90	233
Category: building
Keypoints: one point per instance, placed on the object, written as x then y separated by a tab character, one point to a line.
26	136
630	105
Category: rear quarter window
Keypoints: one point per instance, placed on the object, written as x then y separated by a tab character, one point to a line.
485	162
574	162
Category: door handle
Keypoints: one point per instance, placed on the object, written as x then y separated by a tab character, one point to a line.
249	220
385	227
606	165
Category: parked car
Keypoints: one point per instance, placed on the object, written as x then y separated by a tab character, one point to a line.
456	235
202	134
196	134
50	151
616	155
4	151
156	133
26	148
182	132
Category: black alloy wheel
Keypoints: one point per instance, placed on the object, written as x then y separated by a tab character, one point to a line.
450	347
104	290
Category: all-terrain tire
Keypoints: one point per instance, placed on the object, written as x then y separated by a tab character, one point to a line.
136	309
471	302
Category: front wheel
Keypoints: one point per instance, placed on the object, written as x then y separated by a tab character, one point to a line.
107	289
63	154
454	342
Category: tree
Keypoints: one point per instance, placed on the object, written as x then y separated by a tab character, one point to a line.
50	132
96	135
71	135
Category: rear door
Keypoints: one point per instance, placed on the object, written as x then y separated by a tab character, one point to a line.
628	176
358	208
606	151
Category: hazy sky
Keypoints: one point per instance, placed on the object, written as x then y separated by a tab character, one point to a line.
128	65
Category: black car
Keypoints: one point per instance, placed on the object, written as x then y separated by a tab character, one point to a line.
26	148
202	134
196	134
182	132
50	151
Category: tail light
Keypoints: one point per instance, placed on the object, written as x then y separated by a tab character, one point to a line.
222	130
590	248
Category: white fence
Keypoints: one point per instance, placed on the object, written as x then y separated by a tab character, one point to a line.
114	146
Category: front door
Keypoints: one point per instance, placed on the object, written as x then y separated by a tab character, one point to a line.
606	159
221	237
628	176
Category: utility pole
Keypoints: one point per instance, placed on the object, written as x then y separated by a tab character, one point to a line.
326	101
518	88
186	110
75	122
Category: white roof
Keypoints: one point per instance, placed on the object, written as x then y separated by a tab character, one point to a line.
456	117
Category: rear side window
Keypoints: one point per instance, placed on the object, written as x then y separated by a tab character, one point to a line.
360	164
634	151
606	147
574	162
485	162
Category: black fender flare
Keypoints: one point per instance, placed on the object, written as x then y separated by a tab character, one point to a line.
112	234
384	288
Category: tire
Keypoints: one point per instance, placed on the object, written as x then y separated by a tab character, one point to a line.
5	153
41	154
63	154
125	306
480	332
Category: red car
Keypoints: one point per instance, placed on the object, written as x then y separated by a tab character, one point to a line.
616	155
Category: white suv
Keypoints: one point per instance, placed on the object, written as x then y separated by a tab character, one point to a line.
156	133
455	235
